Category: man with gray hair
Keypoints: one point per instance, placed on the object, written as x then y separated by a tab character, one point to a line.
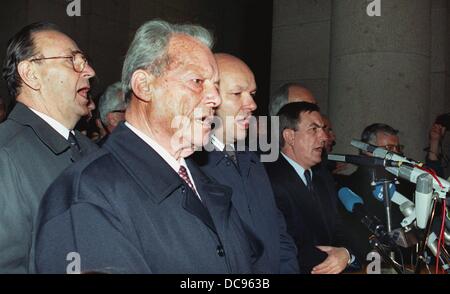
111	107
289	92
157	212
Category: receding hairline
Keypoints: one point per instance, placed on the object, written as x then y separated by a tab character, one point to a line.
227	62
51	34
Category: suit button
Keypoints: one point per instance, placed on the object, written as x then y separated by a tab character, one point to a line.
220	251
228	163
183	189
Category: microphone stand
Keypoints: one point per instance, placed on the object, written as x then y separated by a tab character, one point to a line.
423	245
381	177
386	255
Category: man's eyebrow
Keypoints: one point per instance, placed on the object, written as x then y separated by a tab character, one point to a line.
313	124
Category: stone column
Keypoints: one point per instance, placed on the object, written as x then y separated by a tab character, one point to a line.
380	70
301	45
439	48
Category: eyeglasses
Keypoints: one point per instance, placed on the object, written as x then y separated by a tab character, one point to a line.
79	61
394	148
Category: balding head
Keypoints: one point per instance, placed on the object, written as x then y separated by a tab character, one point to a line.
287	93
297	93
237	89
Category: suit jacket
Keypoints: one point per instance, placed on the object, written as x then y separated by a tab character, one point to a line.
312	220
125	210
32	155
254	200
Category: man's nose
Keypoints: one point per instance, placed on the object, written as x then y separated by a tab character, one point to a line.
212	96
249	103
88	72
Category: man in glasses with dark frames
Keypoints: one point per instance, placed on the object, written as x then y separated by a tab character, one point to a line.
48	79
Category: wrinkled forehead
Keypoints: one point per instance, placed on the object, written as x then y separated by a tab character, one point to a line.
386	139
53	43
185	50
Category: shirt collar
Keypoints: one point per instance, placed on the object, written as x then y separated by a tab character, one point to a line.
60	128
218	144
298	168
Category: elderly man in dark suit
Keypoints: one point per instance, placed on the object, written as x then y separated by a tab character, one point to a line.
48	77
305	191
242	170
138	206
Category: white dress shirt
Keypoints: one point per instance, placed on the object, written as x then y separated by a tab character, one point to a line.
219	145
62	130
298	168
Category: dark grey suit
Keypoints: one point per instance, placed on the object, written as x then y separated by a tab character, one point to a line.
32	155
255	203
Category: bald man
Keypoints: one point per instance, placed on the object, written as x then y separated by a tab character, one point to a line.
287	93
242	170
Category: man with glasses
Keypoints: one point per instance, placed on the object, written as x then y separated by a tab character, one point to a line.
360	182
48	79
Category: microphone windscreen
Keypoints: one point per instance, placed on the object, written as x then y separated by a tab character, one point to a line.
349	199
378	190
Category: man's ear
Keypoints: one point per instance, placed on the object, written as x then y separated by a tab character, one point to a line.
288	136
141	84
28	74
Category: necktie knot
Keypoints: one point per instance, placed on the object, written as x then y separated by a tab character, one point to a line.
73	141
74	147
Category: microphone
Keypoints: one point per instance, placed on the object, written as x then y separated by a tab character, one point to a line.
382	153
406	206
363	160
411	174
354	204
424	196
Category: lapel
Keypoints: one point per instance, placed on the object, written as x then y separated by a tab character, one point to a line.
22	115
145	165
312	206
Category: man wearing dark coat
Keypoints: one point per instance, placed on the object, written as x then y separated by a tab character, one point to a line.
242	169
139	205
48	77
305	191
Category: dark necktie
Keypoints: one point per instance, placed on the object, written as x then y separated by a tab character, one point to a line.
74	147
309	183
182	172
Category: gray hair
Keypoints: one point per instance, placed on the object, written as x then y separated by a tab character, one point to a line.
369	134
149	48
279	98
111	100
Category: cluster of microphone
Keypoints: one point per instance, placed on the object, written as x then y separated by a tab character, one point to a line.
427	186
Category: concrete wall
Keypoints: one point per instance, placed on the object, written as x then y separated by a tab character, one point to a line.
391	68
301	45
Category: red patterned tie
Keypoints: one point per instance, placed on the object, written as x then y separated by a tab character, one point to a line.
185	176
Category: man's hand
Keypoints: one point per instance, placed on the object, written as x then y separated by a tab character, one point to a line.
335	263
